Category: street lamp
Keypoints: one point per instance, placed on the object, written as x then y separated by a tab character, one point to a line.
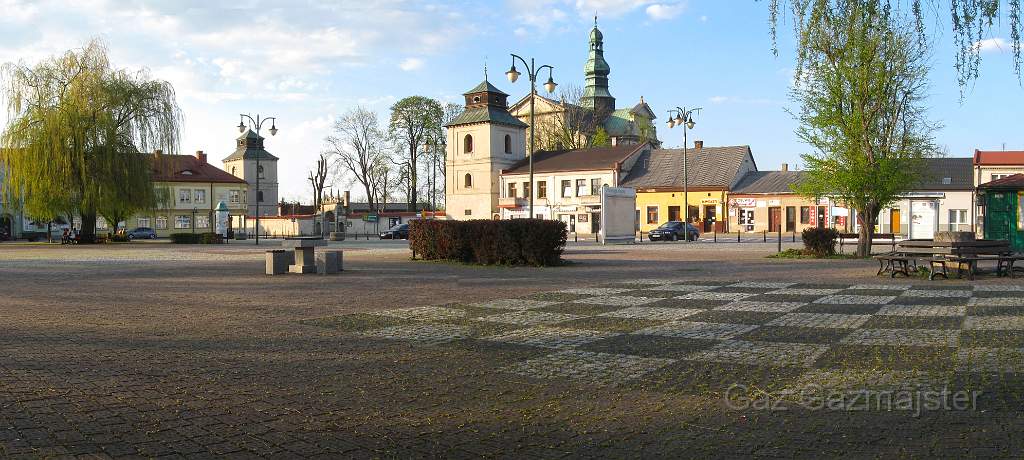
531	70
194	210
257	123
684	118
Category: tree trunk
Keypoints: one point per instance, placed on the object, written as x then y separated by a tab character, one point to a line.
88	232
867	218
412	178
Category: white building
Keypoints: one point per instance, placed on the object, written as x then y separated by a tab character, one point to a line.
242	164
568	184
942	202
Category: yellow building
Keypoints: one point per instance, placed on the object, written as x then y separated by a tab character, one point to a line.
192	188
711	172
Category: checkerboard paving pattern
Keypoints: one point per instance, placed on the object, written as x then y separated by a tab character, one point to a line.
612	334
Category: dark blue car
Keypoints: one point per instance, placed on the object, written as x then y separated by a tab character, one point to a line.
674	230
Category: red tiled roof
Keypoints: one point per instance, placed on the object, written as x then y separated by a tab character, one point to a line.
591	159
188	168
1015	181
999	157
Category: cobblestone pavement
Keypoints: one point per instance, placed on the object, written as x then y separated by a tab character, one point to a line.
186	352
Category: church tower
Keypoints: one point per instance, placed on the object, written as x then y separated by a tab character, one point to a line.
242	164
482	141
596	96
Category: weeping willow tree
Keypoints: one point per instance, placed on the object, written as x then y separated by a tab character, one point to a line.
972	21
77	134
861	88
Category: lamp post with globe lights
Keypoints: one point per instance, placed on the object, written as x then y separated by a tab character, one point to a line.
684	118
531	71
258	124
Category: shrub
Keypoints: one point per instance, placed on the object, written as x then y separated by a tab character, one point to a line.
118	238
820	241
196	238
489	242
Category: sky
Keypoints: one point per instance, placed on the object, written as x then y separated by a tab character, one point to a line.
307	62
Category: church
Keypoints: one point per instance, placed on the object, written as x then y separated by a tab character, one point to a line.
572	120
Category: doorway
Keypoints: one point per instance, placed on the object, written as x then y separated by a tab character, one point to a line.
894	221
790	218
710	216
570	221
923	217
774	219
821	217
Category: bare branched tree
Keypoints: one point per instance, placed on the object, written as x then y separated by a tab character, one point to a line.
359	146
318	179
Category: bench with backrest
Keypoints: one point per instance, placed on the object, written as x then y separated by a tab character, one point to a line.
877	238
961	255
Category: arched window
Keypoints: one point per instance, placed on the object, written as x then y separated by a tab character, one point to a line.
259	172
468	182
508	144
233	171
467	144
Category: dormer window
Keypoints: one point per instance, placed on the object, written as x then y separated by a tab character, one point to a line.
186	173
947	180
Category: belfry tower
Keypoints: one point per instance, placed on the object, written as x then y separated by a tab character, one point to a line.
595	95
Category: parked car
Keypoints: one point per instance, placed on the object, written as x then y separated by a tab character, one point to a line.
398	232
141	233
674	230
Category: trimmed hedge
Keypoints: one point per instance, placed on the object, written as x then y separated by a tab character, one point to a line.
820	241
534	242
196	238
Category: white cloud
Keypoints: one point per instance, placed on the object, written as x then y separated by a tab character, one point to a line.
662	11
995	44
410	64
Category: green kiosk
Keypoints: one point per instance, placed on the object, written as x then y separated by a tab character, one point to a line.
1004	216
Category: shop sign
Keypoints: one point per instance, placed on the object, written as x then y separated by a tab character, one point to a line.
774	202
709	201
582	217
564	208
762	204
744	202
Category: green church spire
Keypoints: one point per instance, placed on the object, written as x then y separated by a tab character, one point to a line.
596	95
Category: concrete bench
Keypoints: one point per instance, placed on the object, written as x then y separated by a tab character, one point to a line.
278	261
329	262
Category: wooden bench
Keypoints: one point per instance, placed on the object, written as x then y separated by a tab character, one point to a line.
962	255
895	263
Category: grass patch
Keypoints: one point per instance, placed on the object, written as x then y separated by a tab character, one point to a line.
805	254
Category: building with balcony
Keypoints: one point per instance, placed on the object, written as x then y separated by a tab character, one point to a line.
568	184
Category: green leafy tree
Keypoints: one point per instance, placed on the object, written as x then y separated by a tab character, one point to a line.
971	21
413	120
601	138
861	87
77	132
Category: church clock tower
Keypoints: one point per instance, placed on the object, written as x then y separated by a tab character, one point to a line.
482	141
595	95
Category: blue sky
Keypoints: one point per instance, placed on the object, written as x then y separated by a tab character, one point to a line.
306	62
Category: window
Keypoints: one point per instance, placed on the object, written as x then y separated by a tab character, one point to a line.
259	172
511	190
185	195
805	215
673	213
182	221
233	196
469	212
259	196
200	196
1000	176
143	222
652	214
542	189
958	220
566	188
595	186
947	180
467	144
508	144
233	171
101	223
581	187
202	221
161	223
468	181
526	189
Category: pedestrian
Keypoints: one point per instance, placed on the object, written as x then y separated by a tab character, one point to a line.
64	237
73	236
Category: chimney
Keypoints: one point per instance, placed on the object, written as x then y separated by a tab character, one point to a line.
785	167
201	156
697	145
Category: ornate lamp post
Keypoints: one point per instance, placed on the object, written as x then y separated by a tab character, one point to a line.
531	71
684	118
257	123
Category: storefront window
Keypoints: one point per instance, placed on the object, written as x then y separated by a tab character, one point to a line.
652	214
566	188
581	187
805	215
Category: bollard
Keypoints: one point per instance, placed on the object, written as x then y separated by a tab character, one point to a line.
794	236
716	235
737	236
764	235
576	237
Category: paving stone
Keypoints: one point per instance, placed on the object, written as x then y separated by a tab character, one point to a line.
805	291
423	313
656	313
595	291
794	334
997	301
735	317
923	310
855	299
914	322
826	320
888	287
515	304
618	300
528	317
551	337
433	333
742	305
762	284
683	287
649	345
905	337
998	288
593	367
715	296
698	330
761	353
990	359
858	380
936	293
994	322
610	324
